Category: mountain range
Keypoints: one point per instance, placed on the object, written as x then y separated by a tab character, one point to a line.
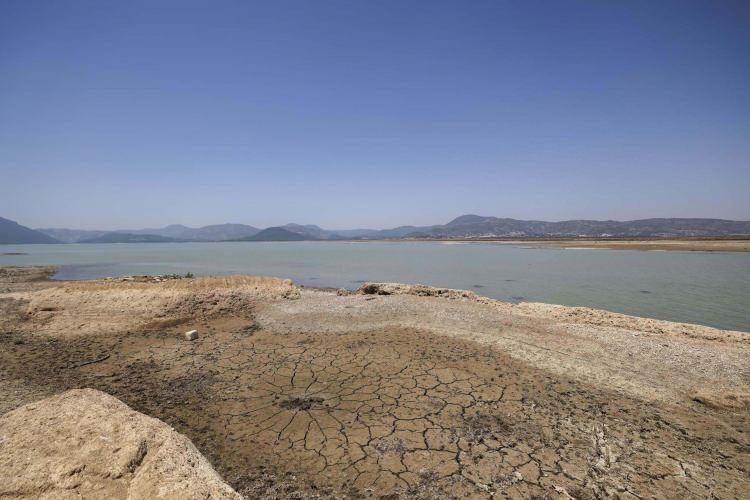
465	226
279	234
216	232
477	226
12	232
129	238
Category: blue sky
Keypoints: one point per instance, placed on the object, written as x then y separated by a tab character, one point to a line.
371	113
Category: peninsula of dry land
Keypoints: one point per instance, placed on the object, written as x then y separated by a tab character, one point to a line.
395	391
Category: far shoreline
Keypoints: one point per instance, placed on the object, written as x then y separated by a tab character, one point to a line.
687	244
643	244
670	244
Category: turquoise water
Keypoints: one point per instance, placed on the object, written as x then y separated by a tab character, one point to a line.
693	287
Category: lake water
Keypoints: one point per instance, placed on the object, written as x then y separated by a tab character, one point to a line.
694	287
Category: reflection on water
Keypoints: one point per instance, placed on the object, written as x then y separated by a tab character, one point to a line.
694	287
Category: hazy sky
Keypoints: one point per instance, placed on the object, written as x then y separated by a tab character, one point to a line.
118	114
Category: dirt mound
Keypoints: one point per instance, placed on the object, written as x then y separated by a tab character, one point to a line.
25	274
86	443
105	307
24	279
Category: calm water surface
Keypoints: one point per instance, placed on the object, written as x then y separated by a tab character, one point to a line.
694	287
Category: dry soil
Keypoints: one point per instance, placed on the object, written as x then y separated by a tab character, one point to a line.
395	391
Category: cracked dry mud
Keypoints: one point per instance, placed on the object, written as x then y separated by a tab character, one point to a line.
393	411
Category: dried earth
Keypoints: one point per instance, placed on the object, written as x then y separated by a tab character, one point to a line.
395	391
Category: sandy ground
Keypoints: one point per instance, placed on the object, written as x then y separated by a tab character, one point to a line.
396	391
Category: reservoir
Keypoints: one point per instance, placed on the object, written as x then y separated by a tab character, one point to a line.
692	287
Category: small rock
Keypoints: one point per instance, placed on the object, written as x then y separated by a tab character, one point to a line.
191	335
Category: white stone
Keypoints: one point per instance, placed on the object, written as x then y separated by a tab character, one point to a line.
191	335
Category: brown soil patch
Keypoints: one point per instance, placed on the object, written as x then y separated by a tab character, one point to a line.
406	392
104	307
393	411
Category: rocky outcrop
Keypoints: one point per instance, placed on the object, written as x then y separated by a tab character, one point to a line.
88	444
420	290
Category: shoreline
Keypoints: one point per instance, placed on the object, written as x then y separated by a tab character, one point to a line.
697	244
47	273
640	244
402	390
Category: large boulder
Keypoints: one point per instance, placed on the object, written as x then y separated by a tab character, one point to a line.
87	444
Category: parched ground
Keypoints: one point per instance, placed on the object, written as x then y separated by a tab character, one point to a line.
396	391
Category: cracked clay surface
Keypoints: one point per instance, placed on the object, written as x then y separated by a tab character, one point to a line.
397	412
393	412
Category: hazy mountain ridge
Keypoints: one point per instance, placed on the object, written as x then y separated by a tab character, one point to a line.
465	226
311	231
480	226
130	238
277	234
214	232
71	235
12	232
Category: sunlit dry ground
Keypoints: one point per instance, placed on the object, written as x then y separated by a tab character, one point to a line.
370	395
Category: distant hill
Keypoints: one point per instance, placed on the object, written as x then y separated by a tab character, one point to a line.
354	233
12	232
477	226
313	231
216	232
221	232
277	234
71	235
130	238
176	231
402	231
